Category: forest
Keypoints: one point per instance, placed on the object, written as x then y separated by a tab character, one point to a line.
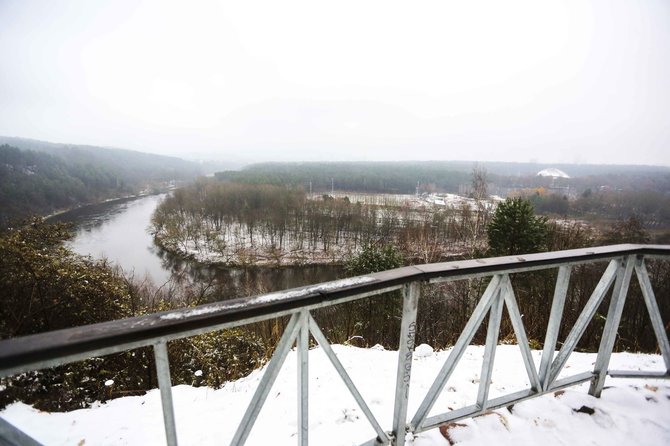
35	182
593	193
386	177
252	224
405	177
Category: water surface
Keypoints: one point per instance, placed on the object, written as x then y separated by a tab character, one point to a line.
119	231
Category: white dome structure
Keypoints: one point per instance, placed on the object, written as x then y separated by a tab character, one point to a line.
552	172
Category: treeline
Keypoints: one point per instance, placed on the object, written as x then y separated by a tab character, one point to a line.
381	177
618	178
594	191
39	183
238	223
446	176
651	207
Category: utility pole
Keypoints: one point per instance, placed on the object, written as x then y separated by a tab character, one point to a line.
332	186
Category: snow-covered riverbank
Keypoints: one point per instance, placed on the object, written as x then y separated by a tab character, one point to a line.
322	229
630	412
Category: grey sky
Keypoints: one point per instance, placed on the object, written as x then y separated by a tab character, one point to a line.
571	81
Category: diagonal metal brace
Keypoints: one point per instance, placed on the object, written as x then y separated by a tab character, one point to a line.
520	333
617	302
328	350
582	321
269	377
652	308
457	352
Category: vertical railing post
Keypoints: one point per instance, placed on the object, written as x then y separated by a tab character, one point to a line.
382	436
457	351
624	273
583	320
271	371
165	385
520	332
492	332
410	303
555	317
652	308
302	345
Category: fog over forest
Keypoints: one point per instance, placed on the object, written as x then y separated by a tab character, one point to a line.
242	82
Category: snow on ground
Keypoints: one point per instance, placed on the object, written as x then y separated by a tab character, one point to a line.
235	245
459	201
630	412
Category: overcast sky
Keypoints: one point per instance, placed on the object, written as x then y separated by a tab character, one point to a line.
556	81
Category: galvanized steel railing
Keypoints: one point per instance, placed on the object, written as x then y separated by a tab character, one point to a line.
65	346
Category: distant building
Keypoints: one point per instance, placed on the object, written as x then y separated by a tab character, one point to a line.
553	173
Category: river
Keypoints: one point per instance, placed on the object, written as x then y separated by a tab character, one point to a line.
118	231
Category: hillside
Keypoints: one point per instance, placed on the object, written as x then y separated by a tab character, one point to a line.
38	177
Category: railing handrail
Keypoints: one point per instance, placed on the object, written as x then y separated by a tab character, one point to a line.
71	344
155	330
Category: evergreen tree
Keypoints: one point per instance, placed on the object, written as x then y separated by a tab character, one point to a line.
515	229
374	258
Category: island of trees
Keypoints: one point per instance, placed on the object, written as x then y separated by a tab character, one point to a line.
256	224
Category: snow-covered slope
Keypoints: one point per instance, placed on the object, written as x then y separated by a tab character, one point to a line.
630	412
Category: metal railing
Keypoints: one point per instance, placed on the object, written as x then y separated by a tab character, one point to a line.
156	330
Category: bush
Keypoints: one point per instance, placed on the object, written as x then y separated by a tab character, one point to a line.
220	356
374	258
373	320
44	286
